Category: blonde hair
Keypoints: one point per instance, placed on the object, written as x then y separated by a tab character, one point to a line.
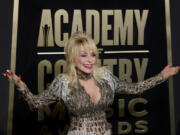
72	50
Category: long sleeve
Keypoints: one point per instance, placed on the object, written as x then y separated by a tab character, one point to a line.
132	88
48	96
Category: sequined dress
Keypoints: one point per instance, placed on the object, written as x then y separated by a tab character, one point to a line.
86	117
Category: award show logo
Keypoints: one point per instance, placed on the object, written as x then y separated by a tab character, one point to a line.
129	38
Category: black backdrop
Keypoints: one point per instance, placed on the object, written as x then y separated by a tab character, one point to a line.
6	27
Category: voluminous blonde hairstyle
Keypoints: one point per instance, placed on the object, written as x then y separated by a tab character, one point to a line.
72	50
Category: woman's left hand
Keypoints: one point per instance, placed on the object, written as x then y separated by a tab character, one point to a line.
169	70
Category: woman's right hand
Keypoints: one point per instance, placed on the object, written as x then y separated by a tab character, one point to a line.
15	79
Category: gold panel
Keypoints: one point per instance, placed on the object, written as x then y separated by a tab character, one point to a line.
13	65
169	57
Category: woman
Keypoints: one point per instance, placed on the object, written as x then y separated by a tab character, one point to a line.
86	89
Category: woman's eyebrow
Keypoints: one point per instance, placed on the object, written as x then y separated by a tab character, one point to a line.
83	52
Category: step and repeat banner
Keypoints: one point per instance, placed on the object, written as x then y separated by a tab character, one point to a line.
133	40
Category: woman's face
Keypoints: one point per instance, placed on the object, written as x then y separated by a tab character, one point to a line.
85	60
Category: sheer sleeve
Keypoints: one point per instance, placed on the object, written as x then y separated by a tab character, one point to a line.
52	94
132	88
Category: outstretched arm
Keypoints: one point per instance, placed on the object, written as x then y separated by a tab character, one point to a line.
135	88
45	98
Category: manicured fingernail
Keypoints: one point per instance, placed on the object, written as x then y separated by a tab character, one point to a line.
11	72
7	70
20	76
178	67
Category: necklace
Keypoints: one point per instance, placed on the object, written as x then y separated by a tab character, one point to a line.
84	76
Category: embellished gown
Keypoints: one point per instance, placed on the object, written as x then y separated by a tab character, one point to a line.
86	117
